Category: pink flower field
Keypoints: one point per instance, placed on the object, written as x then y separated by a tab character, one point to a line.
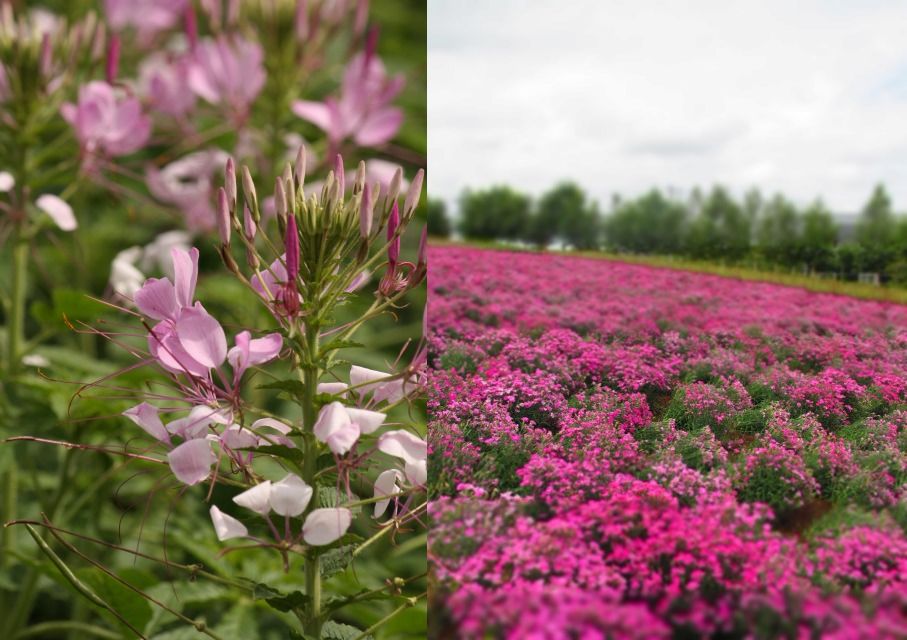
620	451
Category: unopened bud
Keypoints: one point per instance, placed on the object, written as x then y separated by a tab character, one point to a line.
359	181
190	25
414	194
291	244
249	226
301	20
339	172
289	186
299	168
361	19
393	190
230	183
45	61
393	238
223	216
280	199
113	59
248	191
365	213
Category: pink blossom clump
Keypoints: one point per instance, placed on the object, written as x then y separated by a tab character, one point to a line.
107	121
622	451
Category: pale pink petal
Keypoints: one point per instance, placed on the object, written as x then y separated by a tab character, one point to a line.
290	496
226	526
191	461
324	526
368	421
166	347
185	274
235	437
194	425
157	299
274	424
332	388
318	113
331	418
281	429
343	439
146	416
402	444
379	127
58	210
417	472
385	485
257	498
7	181
202	337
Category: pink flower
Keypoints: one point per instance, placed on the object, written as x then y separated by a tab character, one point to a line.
362	112
164	82
147	16
188	183
106	121
227	72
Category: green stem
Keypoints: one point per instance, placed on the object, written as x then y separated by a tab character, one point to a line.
39	630
16	325
411	602
310	374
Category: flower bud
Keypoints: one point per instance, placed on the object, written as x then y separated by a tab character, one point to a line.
190	24
280	199
249	226
248	190
223	216
301	20
230	183
113	59
299	169
414	194
289	187
361	19
393	249
46	60
365	213
339	172
393	189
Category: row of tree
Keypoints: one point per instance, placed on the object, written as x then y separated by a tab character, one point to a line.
713	226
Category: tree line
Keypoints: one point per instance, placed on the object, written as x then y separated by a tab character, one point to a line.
766	232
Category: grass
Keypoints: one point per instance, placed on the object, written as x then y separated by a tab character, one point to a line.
861	290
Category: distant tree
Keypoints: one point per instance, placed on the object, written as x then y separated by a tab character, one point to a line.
818	238
876	225
753	205
564	213
649	224
721	230
497	213
438	222
778	232
583	229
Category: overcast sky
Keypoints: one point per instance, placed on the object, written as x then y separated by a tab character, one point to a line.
809	98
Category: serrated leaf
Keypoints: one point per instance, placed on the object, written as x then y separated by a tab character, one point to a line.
294	388
293	601
331	630
336	560
282	451
330	497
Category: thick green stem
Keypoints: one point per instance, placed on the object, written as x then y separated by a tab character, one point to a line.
16	325
311	373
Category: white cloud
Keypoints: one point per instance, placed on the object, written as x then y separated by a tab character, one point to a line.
808	98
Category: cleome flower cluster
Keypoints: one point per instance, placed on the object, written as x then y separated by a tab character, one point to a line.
625	451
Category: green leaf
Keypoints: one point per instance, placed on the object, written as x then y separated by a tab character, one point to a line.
294	388
282	451
133	607
331	630
293	601
337	343
336	560
330	497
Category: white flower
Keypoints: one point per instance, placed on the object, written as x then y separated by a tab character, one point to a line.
376	382
386	485
226	526
339	427
324	526
413	450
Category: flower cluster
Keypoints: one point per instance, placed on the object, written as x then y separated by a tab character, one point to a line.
623	451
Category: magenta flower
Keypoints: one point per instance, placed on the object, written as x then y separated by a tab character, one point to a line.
363	111
148	17
107	121
227	72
